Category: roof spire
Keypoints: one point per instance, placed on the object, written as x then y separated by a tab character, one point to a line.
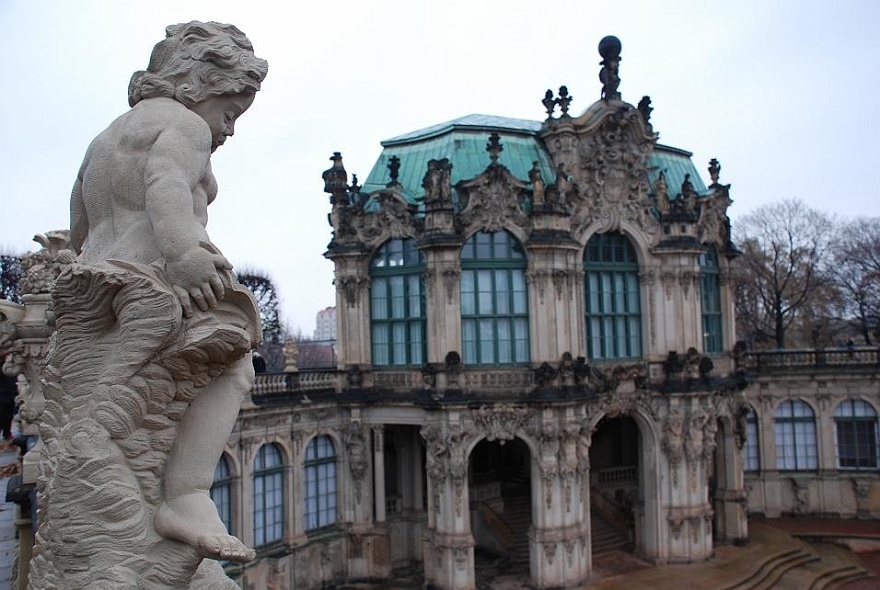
494	148
609	49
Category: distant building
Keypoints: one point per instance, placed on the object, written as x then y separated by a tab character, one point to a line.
325	324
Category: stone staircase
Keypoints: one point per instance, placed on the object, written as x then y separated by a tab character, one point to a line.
605	536
802	566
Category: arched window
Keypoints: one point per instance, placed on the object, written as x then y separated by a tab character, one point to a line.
320	482
751	448
221	492
268	496
856	424
795	433
397	304
494	300
710	288
611	285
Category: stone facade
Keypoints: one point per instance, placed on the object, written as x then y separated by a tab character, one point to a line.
437	434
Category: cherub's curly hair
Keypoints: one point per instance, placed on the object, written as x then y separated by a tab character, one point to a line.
197	60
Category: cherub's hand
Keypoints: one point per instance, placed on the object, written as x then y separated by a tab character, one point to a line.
196	277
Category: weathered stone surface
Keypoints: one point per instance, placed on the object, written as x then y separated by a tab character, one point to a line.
150	362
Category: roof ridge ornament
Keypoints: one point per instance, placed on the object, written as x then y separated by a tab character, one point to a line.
609	49
714	171
494	148
393	171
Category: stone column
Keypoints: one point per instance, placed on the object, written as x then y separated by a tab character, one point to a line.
559	539
379	471
449	545
688	443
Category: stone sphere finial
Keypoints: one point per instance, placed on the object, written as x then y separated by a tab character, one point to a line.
609	47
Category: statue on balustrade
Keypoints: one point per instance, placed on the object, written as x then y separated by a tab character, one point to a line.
152	356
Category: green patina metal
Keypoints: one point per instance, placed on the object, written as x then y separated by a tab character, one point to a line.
463	141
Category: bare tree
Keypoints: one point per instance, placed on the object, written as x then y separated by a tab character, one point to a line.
856	257
783	268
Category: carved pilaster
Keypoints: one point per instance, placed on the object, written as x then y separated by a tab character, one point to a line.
355	438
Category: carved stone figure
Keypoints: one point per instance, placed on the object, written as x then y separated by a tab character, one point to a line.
151	361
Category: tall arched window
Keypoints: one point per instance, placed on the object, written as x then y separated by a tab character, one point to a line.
795	433
397	304
611	285
856	424
751	449
710	288
320	483
268	496
221	492
494	300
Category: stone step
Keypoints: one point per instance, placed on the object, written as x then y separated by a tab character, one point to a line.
771	569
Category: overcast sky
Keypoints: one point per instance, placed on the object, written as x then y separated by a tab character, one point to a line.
781	92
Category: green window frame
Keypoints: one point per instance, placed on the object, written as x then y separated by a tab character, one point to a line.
494	300
613	316
751	453
319	472
797	447
855	423
397	305
268	495
710	289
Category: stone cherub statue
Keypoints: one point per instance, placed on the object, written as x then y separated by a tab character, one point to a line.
152	355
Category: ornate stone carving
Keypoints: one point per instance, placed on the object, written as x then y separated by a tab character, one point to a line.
539	278
350	288
355	439
150	362
801	492
451	279
445	458
673	441
41	268
500	423
550	551
491	201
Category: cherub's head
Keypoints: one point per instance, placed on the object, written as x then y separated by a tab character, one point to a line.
197	61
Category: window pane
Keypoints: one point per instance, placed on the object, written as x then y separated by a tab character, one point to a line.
499	300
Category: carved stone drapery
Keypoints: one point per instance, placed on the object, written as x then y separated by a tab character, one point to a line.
446	459
350	287
673	441
355	439
500	423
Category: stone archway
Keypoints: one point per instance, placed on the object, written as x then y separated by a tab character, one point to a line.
725	489
615	484
499	485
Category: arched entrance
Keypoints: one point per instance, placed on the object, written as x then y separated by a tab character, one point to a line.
615	490
499	480
726	492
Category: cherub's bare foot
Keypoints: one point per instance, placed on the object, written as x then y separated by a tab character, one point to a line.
192	519
224	547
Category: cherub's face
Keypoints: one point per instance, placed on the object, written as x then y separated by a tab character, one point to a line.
220	113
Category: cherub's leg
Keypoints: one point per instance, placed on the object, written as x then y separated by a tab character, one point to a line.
186	512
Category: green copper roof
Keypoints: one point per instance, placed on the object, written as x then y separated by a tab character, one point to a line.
675	164
464	141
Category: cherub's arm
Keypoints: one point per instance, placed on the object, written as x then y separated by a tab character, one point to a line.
79	221
175	166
